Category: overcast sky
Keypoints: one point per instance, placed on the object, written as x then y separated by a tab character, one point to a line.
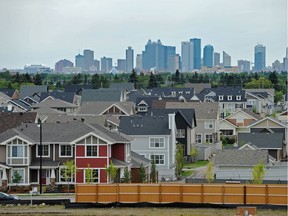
44	32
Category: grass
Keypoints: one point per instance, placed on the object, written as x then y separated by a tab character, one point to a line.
187	173
196	164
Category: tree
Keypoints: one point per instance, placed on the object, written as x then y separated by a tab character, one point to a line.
194	153
111	171
37	79
262	82
179	160
70	169
133	78
142	174
258	173
278	96
127	175
153	172
153	83
17	178
209	174
96	82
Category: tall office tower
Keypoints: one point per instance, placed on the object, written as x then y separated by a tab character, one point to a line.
196	43
129	59
285	61
153	56
97	64
169	54
244	66
277	66
208	55
226	60
106	64
88	58
139	62
216	58
121	65
185	54
259	57
173	63
62	64
79	61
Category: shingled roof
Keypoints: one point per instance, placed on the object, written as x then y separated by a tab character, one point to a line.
262	140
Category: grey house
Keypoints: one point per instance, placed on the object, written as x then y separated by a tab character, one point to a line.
155	138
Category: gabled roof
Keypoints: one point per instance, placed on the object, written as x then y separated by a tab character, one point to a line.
224	120
64	96
31	90
21	104
269	91
11	120
137	160
144	125
269	119
8	92
56	103
168	92
102	95
235	157
76	88
262	140
205	110
99	107
198	87
127	86
246	112
47	111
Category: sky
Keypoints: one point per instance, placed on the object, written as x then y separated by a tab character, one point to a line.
44	32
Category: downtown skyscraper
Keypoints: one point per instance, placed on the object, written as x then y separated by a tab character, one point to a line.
259	57
208	55
191	55
129	59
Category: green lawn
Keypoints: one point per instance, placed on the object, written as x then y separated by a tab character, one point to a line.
187	173
196	164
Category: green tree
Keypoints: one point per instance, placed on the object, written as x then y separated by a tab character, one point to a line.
111	172
37	79
209	174
16	178
127	175
153	83
88	174
153	172
194	153
133	78
278	96
70	169
259	173
262	82
96	81
142	174
179	160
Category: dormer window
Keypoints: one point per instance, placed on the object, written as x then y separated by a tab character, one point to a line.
220	97
180	92
173	93
229	97
187	92
238	97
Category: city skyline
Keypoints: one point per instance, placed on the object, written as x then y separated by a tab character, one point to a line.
44	32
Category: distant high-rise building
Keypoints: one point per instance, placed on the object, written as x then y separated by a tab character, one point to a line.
259	57
88	58
208	55
121	65
277	66
285	61
243	65
173	63
226	60
97	65
106	64
139	62
216	59
79	61
62	64
187	56
129	59
169	55
196	42
153	56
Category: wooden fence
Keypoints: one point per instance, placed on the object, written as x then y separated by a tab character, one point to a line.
185	193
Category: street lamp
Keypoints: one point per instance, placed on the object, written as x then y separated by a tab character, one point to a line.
40	151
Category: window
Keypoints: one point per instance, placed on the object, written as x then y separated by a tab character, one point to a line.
208	138
159	159
17	151
229	97
91	175
238	97
180	133
70	178
45	151
208	124
18	176
220	97
142	109
156	142
65	150
92	151
198	138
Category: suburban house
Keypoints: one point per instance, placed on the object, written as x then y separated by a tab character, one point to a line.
69	97
230	99
56	104
76	89
90	146
155	138
6	95
32	91
102	94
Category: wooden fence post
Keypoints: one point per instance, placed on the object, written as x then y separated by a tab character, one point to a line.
266	194
96	192
202	193
138	193
223	193
160	193
244	195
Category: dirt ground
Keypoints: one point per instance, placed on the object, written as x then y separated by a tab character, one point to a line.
60	210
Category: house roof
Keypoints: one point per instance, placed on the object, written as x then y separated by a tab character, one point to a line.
198	87
127	86
205	110
101	95
137	160
45	163
76	88
235	157
54	103
168	92
47	111
21	104
11	120
30	90
64	96
269	119
269	91
262	140
8	92
144	125
120	163
98	107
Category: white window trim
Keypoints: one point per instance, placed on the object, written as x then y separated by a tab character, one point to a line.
84	178
61	156
205	138
86	151
154	146
60	175
200	136
158	155
220	97
17	145
238	97
229	97
23	177
37	153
